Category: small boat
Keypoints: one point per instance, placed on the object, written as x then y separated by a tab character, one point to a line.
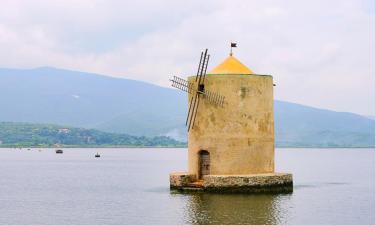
97	155
59	151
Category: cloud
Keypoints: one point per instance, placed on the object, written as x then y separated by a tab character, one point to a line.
320	52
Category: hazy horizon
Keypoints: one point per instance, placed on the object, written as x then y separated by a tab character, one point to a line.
170	87
320	53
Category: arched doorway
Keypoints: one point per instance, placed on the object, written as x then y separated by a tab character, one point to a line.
204	163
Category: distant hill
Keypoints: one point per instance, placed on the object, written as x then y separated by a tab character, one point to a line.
46	135
298	125
48	95
78	99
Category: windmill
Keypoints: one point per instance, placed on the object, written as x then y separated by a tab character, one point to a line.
197	90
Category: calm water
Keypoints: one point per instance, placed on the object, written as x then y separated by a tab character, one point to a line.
130	186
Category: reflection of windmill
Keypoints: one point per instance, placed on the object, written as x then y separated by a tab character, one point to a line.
197	90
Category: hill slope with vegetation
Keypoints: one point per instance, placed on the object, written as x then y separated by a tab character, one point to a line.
115	105
302	126
46	135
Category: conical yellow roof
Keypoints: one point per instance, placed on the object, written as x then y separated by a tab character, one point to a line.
231	65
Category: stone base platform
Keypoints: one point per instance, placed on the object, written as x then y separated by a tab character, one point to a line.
252	183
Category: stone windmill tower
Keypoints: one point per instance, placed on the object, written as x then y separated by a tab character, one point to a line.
230	130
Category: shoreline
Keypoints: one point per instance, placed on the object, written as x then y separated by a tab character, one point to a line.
184	147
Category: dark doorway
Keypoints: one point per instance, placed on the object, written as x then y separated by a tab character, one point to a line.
204	163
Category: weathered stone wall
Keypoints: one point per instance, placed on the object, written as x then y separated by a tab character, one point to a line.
240	135
260	183
255	183
261	180
180	179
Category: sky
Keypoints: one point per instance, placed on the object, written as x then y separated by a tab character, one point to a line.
320	53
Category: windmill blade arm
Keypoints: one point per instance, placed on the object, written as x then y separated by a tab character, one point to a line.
213	98
203	67
194	114
188	115
182	84
193	107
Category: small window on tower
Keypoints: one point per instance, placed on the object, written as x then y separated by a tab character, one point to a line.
201	87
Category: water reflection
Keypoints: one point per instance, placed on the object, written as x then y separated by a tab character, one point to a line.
205	208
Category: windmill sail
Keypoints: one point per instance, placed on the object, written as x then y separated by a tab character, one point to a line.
197	90
202	68
210	96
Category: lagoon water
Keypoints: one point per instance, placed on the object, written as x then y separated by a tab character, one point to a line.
131	186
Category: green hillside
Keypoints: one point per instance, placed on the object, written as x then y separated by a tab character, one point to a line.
45	135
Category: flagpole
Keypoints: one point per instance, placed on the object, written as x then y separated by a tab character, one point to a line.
232	45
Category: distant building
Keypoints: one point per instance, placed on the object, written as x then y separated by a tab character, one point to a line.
64	130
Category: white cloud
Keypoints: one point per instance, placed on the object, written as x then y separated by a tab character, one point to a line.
320	52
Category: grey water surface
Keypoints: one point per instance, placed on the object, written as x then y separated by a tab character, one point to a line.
131	186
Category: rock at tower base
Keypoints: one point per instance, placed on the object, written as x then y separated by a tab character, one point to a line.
252	183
